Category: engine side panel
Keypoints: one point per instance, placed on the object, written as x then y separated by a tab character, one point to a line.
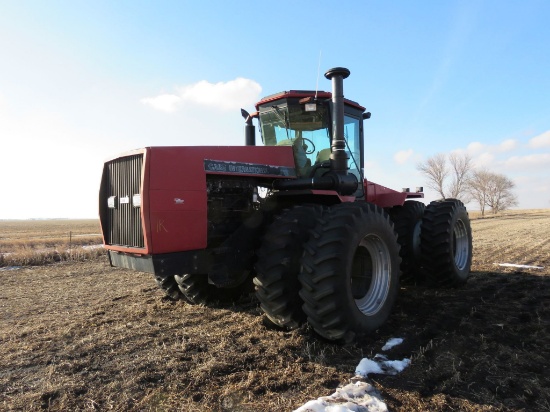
177	195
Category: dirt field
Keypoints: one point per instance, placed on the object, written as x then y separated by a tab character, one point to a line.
81	335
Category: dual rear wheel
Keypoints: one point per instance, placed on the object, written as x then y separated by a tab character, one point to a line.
348	260
350	271
446	243
336	267
435	240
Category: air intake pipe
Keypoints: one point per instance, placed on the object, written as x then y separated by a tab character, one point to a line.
337	178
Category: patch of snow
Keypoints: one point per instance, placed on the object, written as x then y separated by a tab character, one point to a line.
359	396
354	397
514	265
367	366
391	343
381	365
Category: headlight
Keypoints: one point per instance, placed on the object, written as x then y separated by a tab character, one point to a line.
111	202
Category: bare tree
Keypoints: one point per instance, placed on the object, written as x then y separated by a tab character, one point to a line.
500	196
435	169
461	165
491	189
478	185
438	171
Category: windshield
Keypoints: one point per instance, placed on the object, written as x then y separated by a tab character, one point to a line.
307	131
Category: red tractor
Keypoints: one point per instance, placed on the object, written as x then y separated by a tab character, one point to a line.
295	217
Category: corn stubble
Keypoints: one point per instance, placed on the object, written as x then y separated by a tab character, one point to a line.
79	335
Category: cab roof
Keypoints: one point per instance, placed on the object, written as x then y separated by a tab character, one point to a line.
304	93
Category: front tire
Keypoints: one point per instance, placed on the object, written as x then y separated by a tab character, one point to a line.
196	290
350	271
169	286
446	243
278	266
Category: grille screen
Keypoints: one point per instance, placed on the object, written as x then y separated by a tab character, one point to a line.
124	220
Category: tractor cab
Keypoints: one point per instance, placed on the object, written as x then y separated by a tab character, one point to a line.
302	119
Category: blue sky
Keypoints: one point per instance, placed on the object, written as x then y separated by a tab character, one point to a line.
83	80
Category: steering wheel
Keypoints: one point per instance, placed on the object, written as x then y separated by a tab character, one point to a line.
310	147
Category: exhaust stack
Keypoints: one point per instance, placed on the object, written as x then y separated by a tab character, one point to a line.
338	157
249	129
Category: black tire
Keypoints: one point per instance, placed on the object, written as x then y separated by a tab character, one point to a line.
278	265
196	290
169	286
446	243
407	220
350	271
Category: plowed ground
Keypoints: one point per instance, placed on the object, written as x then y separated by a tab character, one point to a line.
82	335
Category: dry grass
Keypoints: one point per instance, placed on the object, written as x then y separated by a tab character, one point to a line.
476	214
83	336
38	242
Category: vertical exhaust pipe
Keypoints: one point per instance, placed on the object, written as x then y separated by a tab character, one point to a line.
338	157
249	129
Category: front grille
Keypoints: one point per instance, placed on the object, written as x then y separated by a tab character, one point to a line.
123	181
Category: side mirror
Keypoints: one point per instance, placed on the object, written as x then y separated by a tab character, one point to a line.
366	116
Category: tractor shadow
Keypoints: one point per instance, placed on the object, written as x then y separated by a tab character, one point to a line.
485	342
482	344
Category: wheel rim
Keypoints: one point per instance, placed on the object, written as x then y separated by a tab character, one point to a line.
370	278
461	248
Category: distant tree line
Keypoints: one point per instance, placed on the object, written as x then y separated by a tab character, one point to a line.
454	176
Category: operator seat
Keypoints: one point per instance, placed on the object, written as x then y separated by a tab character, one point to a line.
322	156
302	161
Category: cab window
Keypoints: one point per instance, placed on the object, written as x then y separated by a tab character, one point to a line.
307	131
353	145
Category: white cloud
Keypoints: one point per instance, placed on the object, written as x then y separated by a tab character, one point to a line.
534	160
542	140
484	159
164	102
475	147
402	156
507	145
230	95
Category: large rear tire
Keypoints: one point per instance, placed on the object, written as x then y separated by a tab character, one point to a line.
446	243
350	271
278	266
407	220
